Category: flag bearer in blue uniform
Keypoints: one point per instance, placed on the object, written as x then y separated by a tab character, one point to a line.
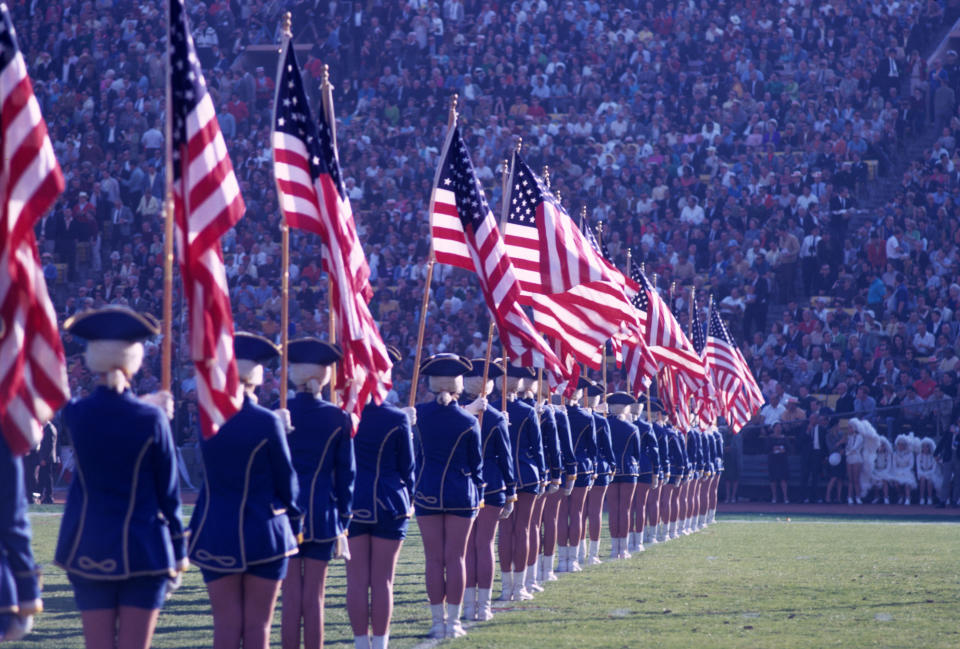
382	506
584	439
606	466
527	448
644	513
449	487
499	493
651	515
678	475
245	525
549	481
567	476
322	451
625	438
19	589
121	538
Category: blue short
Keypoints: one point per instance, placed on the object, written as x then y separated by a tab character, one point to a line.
394	530
274	570
462	513
318	550
584	480
602	480
530	489
624	479
147	592
498	499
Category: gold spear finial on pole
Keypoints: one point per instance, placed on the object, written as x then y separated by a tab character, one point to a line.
546	176
285	22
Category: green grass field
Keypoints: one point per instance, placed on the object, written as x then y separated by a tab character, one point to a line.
744	582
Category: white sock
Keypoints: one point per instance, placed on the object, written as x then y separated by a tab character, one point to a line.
483	597
594	548
453	613
436	611
361	642
530	575
469	601
506	578
380	641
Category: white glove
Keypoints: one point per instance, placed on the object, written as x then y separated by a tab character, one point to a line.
342	550
506	510
411	414
568	488
553	488
601	408
476	406
654	483
506	418
540	407
161	399
284	416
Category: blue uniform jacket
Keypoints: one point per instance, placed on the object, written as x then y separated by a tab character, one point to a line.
383	489
677	453
526	444
122	517
664	448
498	471
584	435
18	571
718	441
449	459
322	453
650	464
625	438
551	442
694	451
247	512
706	451
606	461
567	456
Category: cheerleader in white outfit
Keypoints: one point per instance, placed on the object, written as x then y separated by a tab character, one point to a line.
928	471
882	469
903	463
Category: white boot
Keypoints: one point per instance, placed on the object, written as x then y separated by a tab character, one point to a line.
520	594
672	530
687	526
506	586
594	559
562	559
380	641
437	629
547	568
531	580
582	552
648	536
639	547
483	605
470	603
361	642
574	565
661	534
453	627
615	548
624	549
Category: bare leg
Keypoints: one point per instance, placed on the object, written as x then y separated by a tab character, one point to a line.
99	628
551	514
575	520
431	530
384	555
521	529
456	529
613	504
481	536
533	536
259	598
652	512
595	510
226	605
136	627
358	584
292	612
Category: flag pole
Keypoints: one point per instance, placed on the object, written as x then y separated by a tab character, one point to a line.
287	35
424	303
486	369
693	305
326	100
166	344
603	368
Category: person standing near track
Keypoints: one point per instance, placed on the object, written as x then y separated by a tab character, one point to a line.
322	451
121	539
625	438
499	494
449	487
527	448
382	506
570	519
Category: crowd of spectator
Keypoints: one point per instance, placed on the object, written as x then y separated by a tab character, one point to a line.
737	146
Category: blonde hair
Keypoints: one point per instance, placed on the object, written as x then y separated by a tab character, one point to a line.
446	388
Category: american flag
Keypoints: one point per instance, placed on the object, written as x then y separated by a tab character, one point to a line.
731	374
465	235
313	198
577	297
207	203
673	393
33	374
664	335
706	397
